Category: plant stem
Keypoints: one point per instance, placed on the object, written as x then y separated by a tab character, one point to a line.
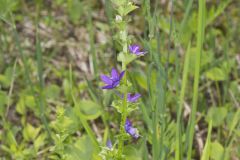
124	109
123	121
200	35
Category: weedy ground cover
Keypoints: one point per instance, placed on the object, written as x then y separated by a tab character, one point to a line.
119	79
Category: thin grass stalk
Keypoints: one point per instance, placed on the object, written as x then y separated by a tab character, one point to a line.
200	36
41	101
178	150
186	15
207	149
92	47
11	88
27	76
154	118
169	36
81	116
93	95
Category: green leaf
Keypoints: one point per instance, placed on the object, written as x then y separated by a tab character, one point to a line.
7	6
39	141
126	58
30	132
140	78
90	109
124	10
81	149
6	78
217	151
3	102
52	91
206	150
66	121
132	153
233	120
118	106
119	2
75	10
216	74
217	115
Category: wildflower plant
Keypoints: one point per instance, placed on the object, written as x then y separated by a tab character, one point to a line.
126	101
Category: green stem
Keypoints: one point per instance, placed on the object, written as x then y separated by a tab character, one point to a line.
123	121
124	109
201	26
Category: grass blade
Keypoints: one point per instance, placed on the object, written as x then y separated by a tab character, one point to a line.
178	154
206	150
200	35
41	100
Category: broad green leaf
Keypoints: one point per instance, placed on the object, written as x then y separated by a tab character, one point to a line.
65	121
217	115
52	91
21	108
75	10
90	109
82	149
216	74
141	79
132	153
124	10
30	132
39	141
126	58
217	151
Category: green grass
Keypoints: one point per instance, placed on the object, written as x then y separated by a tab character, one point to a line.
51	102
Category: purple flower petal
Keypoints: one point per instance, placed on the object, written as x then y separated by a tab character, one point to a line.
106	79
128	124
121	75
131	130
135	49
108	87
115	84
114	74
133	98
109	144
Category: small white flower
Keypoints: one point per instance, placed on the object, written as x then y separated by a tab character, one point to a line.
118	18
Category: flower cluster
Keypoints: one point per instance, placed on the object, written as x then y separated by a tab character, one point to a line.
114	80
118	81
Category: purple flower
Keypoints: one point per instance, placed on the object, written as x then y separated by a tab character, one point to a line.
109	144
130	130
135	49
130	96
112	81
133	97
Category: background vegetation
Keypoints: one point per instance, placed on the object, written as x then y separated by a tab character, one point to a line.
51	56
